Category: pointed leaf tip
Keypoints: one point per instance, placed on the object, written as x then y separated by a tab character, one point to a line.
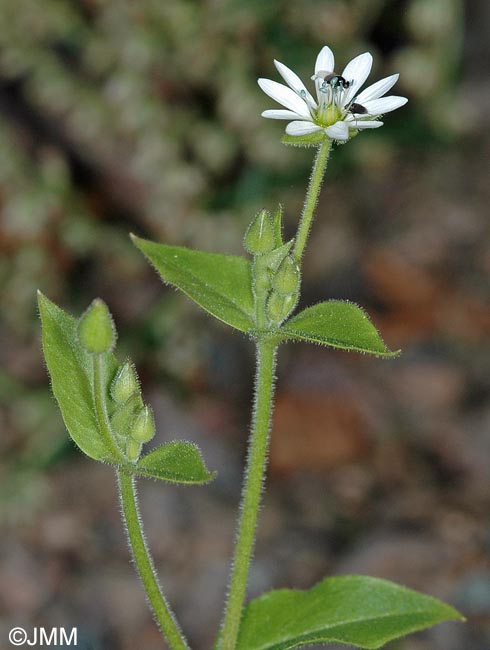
220	284
354	610
70	369
338	324
175	462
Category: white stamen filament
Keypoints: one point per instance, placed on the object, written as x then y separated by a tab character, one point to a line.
331	107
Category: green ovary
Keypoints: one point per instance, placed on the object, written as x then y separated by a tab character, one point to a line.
328	114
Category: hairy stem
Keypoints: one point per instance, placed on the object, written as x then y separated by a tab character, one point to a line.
144	563
252	490
311	199
129	501
101	407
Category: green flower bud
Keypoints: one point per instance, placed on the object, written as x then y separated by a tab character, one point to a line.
279	307
260	237
133	450
286	280
125	383
262	281
96	330
261	276
143	428
273	259
123	419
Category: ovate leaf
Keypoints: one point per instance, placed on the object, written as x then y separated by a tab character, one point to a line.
337	324
175	462
220	284
70	368
355	610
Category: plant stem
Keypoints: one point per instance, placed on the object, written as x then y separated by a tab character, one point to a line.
129	501
144	563
101	407
252	490
260	294
311	199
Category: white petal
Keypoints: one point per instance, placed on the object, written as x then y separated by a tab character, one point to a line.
284	96
384	104
378	89
356	71
338	131
367	124
325	60
302	128
293	81
280	115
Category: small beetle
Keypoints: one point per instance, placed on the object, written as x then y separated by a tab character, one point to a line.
332	79
357	108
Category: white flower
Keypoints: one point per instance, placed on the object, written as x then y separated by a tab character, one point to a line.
338	109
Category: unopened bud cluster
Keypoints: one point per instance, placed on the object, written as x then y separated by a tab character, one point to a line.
132	420
276	277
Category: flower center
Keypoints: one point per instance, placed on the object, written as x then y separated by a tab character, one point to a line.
330	106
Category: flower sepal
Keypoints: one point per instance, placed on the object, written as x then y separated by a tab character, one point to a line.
309	140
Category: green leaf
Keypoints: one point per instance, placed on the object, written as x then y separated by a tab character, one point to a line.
220	284
339	324
310	140
357	610
175	462
70	368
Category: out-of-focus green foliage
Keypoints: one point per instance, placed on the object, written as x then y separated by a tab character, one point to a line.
145	116
149	112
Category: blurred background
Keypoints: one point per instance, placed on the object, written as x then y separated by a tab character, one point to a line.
145	116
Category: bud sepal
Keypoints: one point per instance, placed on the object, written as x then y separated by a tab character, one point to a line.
96	330
260	237
125	383
143	428
287	278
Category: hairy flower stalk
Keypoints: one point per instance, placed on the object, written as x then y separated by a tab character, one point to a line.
340	113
